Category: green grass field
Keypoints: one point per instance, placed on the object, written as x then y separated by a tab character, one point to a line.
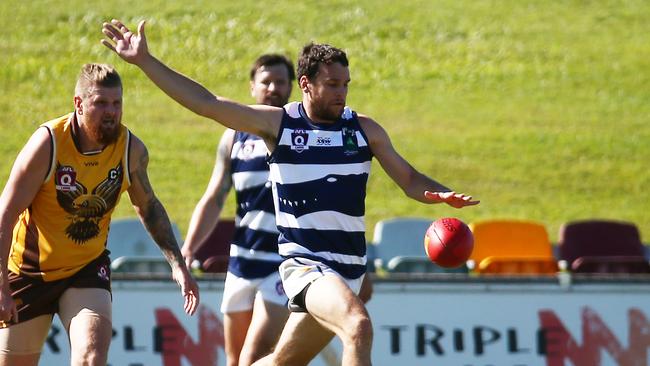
538	108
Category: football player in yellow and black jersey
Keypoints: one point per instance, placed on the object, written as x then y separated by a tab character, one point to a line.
55	212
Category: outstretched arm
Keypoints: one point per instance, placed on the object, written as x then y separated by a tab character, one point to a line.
415	184
263	121
207	211
155	219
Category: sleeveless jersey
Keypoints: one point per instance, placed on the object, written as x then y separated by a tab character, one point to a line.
254	250
319	174
66	225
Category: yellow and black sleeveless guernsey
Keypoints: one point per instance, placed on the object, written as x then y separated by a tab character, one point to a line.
66	225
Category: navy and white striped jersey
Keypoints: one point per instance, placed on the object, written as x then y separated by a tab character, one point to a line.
254	250
319	174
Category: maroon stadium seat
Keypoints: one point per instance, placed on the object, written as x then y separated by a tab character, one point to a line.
216	247
602	246
216	264
613	264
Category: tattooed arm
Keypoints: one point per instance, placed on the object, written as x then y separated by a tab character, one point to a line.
155	219
206	213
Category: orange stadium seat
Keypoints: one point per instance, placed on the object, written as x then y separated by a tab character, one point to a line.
518	265
512	247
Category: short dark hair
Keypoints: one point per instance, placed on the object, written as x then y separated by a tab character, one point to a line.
271	59
313	55
96	74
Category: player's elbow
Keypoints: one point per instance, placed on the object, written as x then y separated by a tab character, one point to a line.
207	106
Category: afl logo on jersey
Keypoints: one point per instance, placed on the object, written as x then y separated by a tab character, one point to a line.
66	179
299	140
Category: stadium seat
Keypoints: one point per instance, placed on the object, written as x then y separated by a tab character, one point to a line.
216	246
128	237
371	255
611	264
512	247
401	236
215	264
411	264
602	246
518	265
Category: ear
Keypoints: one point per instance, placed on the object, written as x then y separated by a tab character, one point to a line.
304	84
78	104
252	88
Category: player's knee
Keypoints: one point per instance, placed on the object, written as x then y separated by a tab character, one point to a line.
359	328
89	356
90	350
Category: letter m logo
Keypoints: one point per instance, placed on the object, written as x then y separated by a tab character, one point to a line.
596	336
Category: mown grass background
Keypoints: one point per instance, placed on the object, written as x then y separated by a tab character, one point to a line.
538	108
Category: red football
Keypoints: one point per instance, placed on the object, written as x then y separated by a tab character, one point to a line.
448	242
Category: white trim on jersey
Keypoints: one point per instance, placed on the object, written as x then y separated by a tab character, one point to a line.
309	172
259	149
127	171
258	220
53	157
249	179
322	220
320	138
241	252
293	249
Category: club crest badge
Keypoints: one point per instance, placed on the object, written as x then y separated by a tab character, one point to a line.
350	143
65	179
299	140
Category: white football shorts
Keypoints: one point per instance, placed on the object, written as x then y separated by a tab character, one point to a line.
239	293
297	273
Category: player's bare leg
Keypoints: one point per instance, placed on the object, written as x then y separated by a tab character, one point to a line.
235	326
19	360
301	340
26	340
345	315
305	335
86	315
265	329
365	293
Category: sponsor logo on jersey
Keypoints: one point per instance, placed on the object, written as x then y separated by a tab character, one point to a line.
103	272
323	141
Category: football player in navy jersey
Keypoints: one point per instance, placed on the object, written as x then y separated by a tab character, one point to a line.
254	302
319	165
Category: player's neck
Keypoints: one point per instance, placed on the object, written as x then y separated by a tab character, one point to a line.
313	117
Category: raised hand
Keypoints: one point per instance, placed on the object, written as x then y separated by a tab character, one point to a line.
453	199
132	47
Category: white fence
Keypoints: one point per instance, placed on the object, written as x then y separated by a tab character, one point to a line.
453	321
